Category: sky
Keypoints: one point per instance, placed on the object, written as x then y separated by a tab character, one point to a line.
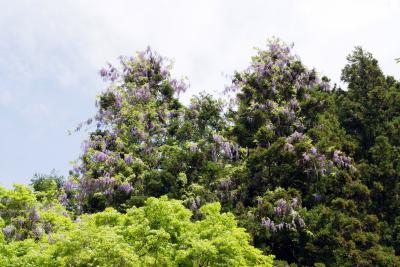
51	53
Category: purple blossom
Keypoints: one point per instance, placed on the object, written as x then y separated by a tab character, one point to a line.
280	226
126	187
150	126
268	224
103	72
70	185
179	86
340	159
109	73
63	199
313	151
193	206
317	197
19	236
224	184
226	146
128	159
100	157
108	192
8	230
306	157
76	169
172	114
217	138
278	211
118	101
294	137
293	104
21	222
34	215
142	94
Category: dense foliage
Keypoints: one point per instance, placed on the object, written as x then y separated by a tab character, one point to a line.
160	233
310	171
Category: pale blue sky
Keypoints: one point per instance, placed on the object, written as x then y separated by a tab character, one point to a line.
51	51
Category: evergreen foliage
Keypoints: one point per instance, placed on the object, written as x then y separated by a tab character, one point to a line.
310	172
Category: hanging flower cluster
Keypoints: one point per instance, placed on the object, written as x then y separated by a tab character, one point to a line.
283	214
25	218
224	147
138	115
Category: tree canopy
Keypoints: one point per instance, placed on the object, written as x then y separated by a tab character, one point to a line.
286	165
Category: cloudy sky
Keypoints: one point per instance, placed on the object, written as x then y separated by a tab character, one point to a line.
51	51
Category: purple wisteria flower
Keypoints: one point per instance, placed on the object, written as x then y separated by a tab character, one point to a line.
217	138
317	197
282	207
100	157
340	159
313	151
21	222
109	73
280	226
128	159
76	170
70	185
19	236
293	104
227	148
179	86
268	224
108	192
193	206
224	183
34	215
9	230
126	187
103	72
63	199
306	157
142	94
172	114
118	101
294	137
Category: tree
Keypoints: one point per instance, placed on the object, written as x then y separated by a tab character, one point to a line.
159	233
